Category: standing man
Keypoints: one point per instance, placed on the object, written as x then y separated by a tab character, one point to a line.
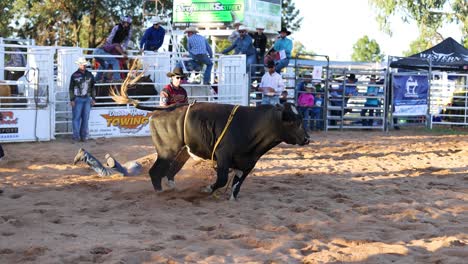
284	46
260	42
200	51
82	97
173	93
243	45
272	85
153	37
235	34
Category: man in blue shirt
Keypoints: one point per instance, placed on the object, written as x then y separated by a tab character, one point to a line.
284	46
243	45
154	36
200	51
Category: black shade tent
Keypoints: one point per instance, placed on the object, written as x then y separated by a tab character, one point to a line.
448	55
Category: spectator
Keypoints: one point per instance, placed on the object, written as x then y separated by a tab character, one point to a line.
272	55
235	34
117	42
121	34
173	93
316	119
283	97
82	97
306	79
271	86
305	102
260	41
284	46
200	51
153	37
350	90
370	102
131	168
17	59
243	45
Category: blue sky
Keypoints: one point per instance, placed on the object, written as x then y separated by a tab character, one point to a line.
332	27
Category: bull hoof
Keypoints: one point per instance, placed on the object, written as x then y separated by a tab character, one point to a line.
206	189
168	185
171	185
232	198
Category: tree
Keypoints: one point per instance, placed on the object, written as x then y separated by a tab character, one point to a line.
428	16
366	50
300	49
290	18
6	6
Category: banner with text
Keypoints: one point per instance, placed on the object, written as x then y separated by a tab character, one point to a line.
410	95
24	125
118	123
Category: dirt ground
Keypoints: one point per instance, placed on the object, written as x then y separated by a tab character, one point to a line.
348	197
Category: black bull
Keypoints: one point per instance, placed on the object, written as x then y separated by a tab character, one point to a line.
180	131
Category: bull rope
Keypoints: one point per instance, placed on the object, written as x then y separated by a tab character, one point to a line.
231	116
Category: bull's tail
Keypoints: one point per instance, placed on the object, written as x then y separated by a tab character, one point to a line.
133	76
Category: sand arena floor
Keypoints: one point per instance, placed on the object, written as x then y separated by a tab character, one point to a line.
348	197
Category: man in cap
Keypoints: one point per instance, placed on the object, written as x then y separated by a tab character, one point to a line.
260	41
235	34
243	45
284	46
82	97
200	51
272	85
153	37
174	93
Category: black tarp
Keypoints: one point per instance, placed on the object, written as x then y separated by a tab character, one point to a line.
447	55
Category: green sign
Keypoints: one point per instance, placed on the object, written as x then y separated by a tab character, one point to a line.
208	11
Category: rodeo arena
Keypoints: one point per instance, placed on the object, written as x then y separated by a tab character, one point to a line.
375	173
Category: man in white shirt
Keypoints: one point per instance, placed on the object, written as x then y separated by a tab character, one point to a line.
272	85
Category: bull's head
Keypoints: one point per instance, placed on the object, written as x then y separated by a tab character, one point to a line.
293	130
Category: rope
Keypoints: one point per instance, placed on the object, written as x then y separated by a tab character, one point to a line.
185	120
231	116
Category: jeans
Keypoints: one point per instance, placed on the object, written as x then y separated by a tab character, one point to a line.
130	168
104	64
204	59
80	117
250	60
281	64
272	100
306	113
316	117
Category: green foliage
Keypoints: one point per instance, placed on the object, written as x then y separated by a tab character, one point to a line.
366	50
430	16
290	18
300	49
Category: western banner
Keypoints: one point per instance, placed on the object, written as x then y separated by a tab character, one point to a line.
410	95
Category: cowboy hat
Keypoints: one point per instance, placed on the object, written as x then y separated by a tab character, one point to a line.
127	19
156	20
285	31
260	26
176	72
191	29
82	61
242	28
237	22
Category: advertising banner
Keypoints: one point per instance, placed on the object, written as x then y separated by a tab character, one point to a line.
207	11
410	95
24	125
118	123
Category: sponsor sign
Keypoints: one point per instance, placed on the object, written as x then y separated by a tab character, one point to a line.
24	125
118	122
410	95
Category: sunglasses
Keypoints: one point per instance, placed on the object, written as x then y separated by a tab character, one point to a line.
178	77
